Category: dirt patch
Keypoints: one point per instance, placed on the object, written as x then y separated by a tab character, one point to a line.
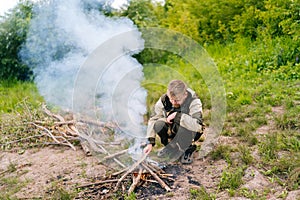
42	168
279	110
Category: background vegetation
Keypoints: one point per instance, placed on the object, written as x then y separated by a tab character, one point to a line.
256	47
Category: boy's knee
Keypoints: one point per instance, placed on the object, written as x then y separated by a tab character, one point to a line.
159	126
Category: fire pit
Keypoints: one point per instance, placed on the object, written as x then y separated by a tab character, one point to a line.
134	176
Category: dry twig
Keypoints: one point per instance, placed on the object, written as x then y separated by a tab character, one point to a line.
135	182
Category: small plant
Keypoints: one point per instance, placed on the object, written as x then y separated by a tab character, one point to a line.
288	121
12	167
10	186
231	179
294	179
59	193
222	152
201	194
246	156
252	194
131	196
268	148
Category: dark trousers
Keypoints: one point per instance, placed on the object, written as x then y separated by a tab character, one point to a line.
175	134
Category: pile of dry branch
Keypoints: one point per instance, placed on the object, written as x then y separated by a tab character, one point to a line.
48	128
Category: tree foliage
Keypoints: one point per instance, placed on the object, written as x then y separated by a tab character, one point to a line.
271	26
222	20
13	30
207	22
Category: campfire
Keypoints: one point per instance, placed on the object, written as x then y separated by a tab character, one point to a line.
59	130
140	172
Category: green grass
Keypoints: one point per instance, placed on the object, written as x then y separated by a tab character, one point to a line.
222	152
231	179
13	94
57	192
9	186
20	103
253	90
245	154
201	194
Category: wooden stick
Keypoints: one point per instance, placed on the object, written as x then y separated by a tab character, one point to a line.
72	130
98	183
22	139
48	112
136	180
116	160
161	182
115	154
154	167
107	143
55	138
85	147
65	123
39	122
68	143
120	172
151	181
96	145
47	131
94	122
130	170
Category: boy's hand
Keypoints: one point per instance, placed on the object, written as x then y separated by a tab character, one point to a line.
148	149
171	117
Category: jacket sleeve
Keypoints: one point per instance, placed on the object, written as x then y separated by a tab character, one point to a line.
158	114
193	120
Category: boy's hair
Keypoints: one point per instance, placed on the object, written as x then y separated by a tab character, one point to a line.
177	88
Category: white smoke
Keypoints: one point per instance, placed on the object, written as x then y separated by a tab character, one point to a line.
62	37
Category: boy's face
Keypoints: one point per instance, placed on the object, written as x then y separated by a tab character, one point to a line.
177	100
